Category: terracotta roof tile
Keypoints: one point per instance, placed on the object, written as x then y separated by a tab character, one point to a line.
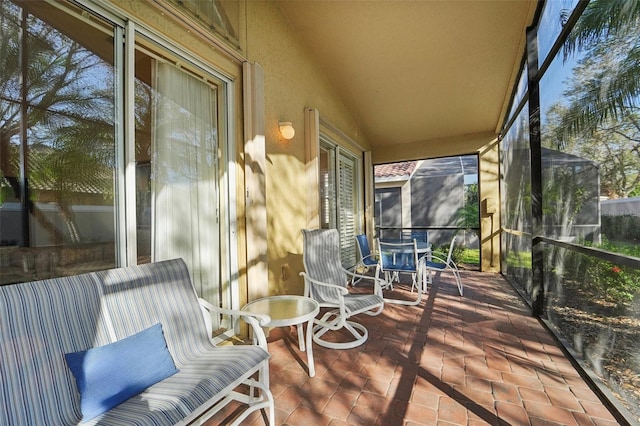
395	169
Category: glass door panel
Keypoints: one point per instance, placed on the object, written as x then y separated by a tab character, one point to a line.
177	169
58	142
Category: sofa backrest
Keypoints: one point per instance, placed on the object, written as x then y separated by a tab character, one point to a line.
161	292
41	321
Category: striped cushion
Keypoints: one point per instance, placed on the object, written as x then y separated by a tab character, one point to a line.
356	303
321	258
160	292
41	321
172	399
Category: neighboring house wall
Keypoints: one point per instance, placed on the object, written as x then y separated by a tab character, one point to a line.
435	201
621	207
486	146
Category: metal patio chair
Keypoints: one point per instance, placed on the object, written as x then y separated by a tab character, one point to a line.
326	281
395	258
440	264
366	258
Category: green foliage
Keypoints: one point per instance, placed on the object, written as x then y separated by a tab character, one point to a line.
467	256
468	216
520	259
598	115
460	254
607	34
619	285
605	280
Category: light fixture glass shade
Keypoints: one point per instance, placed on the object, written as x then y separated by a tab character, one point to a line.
286	129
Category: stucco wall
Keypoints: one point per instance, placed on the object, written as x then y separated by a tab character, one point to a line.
292	82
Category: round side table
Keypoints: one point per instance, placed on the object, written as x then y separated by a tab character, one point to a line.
286	310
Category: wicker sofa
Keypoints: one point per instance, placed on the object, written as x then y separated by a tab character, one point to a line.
44	324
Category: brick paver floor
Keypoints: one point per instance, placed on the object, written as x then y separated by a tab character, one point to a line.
472	360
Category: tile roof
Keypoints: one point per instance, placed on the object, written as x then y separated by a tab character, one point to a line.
395	169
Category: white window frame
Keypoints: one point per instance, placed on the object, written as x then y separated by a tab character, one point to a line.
318	131
127	29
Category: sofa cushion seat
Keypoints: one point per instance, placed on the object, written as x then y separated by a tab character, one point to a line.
41	321
109	375
210	373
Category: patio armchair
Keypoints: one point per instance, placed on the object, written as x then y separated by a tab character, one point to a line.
366	258
440	264
397	258
326	281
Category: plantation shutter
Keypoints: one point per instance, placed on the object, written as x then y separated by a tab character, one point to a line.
347	208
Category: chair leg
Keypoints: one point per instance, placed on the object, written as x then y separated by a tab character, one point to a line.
360	268
458	281
417	284
331	322
388	281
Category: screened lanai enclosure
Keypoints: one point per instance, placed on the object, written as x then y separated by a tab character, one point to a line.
80	193
438	196
570	142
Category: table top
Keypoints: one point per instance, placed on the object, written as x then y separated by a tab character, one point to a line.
284	309
421	246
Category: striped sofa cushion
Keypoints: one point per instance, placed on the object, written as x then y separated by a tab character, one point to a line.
172	399
41	321
161	292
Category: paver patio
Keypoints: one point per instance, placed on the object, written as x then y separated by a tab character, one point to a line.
472	360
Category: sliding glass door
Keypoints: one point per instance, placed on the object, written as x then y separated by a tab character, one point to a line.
177	168
107	161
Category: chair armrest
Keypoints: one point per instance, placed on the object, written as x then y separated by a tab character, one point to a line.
342	290
377	282
435	258
256	321
370	257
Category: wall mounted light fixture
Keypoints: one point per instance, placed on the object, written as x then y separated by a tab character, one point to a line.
286	129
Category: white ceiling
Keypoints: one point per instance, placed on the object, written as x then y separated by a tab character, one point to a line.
414	71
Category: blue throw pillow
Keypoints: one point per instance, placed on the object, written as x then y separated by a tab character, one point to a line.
109	375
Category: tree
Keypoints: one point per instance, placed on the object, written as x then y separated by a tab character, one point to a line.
468	216
69	125
612	145
601	118
607	34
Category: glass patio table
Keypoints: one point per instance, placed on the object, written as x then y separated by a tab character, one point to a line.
424	253
423	247
287	310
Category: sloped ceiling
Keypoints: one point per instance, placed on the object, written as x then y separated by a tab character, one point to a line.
414	71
